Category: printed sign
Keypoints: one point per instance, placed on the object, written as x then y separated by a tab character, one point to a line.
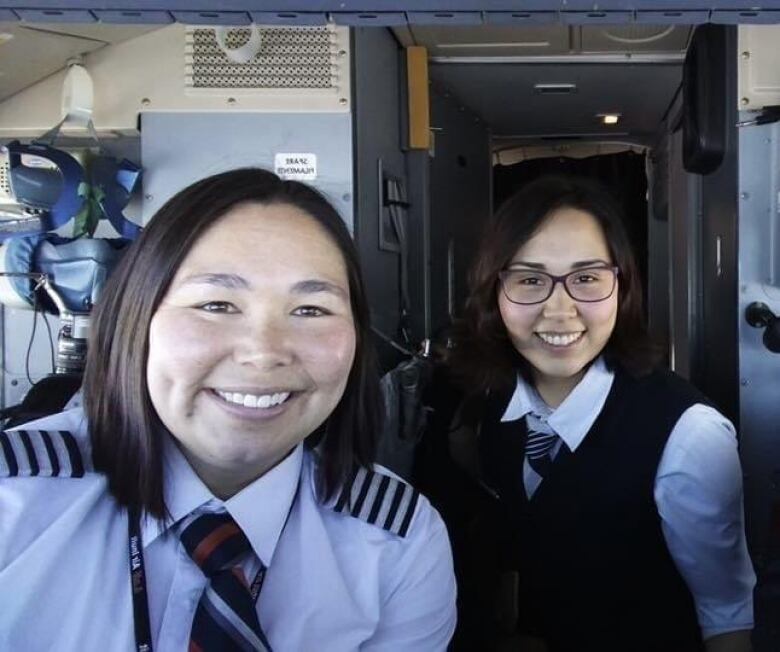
300	167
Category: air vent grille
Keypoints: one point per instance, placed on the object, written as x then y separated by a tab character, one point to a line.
5	179
289	57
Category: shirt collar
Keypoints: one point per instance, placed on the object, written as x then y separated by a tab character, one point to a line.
260	509
573	418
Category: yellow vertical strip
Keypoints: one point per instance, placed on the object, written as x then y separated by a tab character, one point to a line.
419	101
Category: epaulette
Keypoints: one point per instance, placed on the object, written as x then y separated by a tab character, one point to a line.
380	500
46	453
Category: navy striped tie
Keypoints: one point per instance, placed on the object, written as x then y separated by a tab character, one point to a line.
225	619
539	444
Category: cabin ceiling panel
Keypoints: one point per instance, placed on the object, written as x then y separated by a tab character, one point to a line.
504	95
414	11
635	38
492	40
508	40
29	53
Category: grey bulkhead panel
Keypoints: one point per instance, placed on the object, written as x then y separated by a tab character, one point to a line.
759	281
178	148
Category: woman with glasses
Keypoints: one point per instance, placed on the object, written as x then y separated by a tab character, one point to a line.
619	483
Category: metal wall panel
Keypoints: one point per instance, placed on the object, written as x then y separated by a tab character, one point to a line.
759	74
759	368
179	148
378	107
460	201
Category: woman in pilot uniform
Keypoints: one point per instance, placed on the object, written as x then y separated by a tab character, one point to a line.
620	484
217	491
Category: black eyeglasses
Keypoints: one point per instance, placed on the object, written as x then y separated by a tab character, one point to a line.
590	284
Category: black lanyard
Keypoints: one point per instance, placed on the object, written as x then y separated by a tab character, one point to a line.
143	633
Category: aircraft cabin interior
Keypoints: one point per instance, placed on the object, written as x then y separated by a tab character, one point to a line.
417	122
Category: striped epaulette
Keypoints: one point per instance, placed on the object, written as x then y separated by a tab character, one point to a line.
379	499
45	453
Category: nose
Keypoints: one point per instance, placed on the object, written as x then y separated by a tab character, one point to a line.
560	304
264	343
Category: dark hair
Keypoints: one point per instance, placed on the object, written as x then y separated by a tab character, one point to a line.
126	432
483	356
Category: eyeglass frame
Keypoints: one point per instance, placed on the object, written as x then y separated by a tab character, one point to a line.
559	279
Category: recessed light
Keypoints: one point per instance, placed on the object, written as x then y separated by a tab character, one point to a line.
608	118
555	89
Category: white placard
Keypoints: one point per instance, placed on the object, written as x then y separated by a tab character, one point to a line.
300	167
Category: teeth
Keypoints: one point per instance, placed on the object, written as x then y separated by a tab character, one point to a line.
560	339
262	401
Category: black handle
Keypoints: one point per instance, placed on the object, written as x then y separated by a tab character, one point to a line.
759	315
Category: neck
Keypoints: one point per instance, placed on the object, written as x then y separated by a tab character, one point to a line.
555	390
226	482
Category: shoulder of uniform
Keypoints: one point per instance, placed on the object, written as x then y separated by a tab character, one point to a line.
379	498
43	453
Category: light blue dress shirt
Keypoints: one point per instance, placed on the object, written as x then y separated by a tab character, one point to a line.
698	493
334	583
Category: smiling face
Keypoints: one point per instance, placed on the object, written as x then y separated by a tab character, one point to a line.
251	348
561	336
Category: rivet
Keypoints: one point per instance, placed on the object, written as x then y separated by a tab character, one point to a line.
146	101
746	55
343	101
744	101
231	101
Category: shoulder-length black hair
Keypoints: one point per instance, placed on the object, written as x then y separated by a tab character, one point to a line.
483	357
126	432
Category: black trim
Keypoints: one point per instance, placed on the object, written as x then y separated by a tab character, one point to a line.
35	468
10	456
400	490
346	493
369	475
379	500
51	452
76	462
409	513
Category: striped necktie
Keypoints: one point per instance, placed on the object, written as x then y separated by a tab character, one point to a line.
226	618
539	445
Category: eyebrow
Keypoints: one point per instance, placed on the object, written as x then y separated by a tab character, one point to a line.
236	282
595	262
312	286
229	281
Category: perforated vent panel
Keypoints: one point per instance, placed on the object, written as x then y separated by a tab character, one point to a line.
5	182
289	57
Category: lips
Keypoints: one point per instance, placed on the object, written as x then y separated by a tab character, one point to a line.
257	401
560	339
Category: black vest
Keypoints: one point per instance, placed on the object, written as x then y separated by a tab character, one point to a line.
595	572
